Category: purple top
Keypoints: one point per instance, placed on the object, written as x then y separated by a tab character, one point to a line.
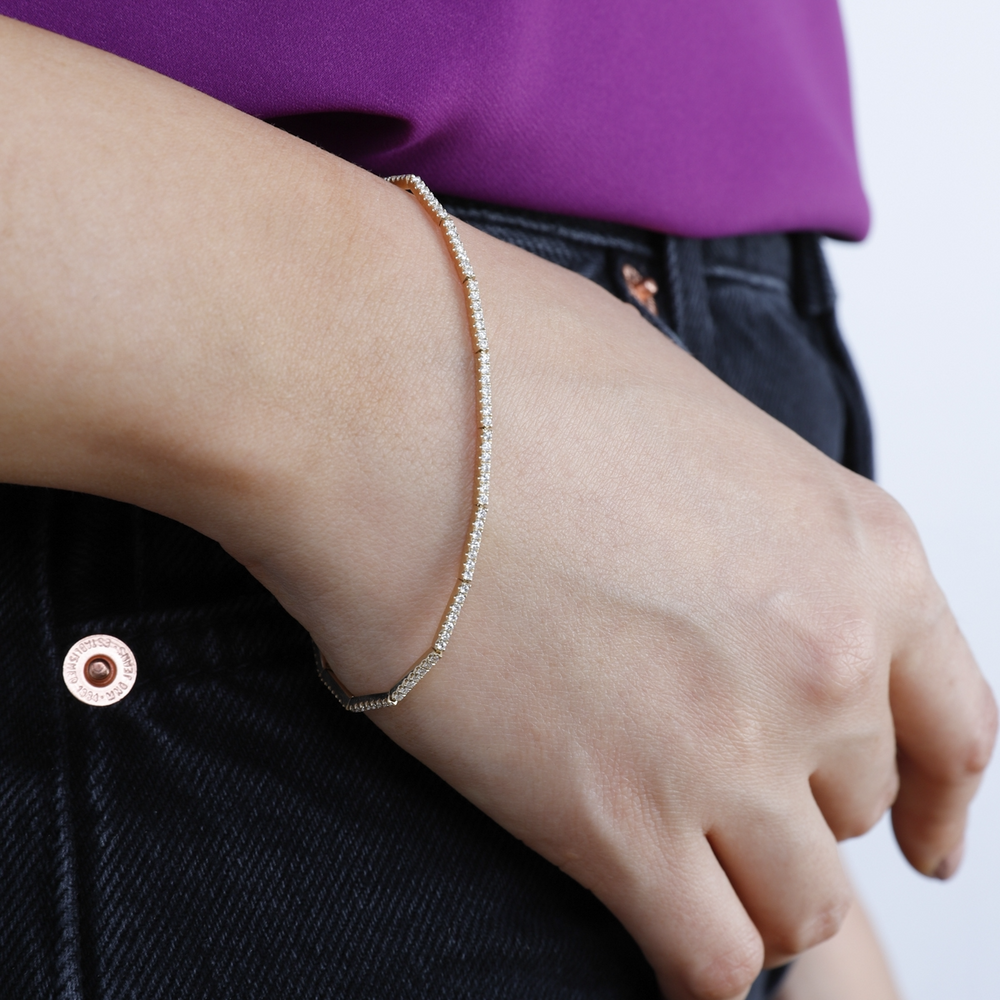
694	117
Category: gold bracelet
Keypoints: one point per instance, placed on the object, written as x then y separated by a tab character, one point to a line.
367	702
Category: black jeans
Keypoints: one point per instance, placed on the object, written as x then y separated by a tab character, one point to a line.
227	831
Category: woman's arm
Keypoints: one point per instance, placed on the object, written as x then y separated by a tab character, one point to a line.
693	641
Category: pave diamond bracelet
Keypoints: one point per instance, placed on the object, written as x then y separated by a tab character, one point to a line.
368	702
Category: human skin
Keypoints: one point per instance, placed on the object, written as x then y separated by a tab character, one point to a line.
850	966
697	651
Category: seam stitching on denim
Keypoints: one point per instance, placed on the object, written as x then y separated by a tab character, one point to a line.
754	278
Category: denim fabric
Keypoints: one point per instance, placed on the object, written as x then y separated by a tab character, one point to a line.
227	831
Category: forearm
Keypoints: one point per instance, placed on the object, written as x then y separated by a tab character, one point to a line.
146	229
198	313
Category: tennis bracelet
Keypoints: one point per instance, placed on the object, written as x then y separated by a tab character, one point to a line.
484	409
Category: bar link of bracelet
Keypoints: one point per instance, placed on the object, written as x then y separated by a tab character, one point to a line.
368	702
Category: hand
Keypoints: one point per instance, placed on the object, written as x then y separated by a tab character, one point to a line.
694	648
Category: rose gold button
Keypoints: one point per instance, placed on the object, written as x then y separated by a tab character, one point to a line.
99	670
643	290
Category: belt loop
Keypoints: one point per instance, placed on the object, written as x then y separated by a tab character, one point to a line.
812	286
687	290
815	297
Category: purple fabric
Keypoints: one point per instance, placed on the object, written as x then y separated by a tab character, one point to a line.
694	117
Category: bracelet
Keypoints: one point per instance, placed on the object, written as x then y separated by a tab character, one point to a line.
368	702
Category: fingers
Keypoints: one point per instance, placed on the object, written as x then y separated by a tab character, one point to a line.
691	926
929	819
858	782
783	862
946	722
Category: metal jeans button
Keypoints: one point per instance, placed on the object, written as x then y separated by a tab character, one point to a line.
642	289
99	670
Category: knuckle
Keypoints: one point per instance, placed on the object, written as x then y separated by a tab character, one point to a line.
981	739
845	661
968	754
817	927
726	975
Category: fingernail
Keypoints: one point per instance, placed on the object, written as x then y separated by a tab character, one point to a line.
950	864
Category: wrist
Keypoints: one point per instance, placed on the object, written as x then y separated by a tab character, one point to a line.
351	498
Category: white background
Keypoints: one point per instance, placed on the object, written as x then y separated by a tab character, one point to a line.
919	307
